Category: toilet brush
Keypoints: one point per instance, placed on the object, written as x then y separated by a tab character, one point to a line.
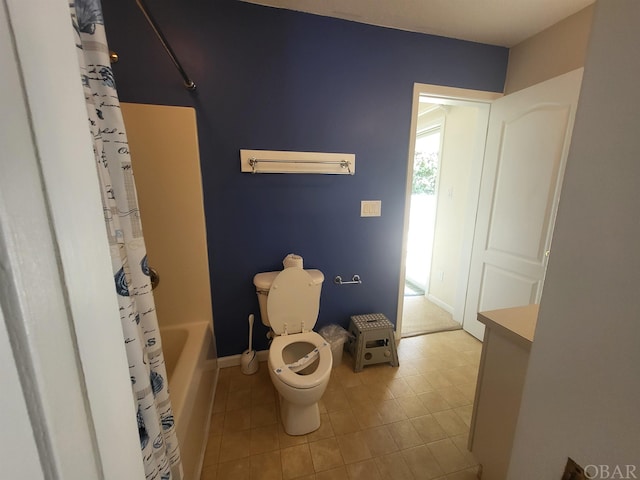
249	361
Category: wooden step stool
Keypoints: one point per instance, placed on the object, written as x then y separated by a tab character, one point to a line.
372	340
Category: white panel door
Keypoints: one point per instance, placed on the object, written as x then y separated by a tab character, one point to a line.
527	144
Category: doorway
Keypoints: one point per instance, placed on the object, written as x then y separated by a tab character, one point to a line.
445	161
422	213
498	254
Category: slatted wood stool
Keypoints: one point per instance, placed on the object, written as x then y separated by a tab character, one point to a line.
372	340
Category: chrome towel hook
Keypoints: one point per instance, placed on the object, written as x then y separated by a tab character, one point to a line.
355	280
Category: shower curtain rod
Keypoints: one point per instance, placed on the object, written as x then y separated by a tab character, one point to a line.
188	83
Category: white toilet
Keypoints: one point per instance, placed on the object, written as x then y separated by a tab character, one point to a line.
299	359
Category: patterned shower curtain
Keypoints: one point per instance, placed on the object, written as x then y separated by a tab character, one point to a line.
158	440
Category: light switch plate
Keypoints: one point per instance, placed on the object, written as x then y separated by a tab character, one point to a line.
371	208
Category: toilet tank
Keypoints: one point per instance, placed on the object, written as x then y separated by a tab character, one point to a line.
263	282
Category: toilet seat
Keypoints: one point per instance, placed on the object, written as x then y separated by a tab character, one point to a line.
287	376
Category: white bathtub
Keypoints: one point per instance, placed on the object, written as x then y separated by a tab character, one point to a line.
190	358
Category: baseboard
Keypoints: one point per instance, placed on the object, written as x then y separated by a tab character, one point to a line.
234	360
436	301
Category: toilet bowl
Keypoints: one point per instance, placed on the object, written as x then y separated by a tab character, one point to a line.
299	359
300	391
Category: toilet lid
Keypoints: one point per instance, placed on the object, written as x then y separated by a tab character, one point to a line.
294	300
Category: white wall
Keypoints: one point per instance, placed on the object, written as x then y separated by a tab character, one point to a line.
581	396
559	49
459	142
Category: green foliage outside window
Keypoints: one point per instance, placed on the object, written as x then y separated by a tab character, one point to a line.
425	173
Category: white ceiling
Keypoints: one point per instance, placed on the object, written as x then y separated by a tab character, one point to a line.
496	22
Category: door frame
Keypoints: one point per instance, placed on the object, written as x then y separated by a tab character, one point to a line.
447	96
59	310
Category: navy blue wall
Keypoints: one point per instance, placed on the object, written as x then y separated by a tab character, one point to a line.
280	80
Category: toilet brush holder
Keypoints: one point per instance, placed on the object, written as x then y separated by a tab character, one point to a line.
249	362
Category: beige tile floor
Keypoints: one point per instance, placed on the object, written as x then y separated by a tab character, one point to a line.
409	422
